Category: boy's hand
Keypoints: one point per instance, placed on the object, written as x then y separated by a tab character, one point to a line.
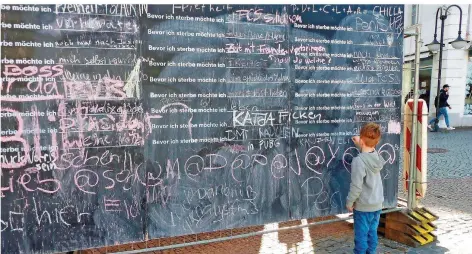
349	208
356	140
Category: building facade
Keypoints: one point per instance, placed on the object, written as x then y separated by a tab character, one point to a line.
456	63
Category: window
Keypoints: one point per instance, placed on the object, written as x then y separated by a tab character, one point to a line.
468	88
415	10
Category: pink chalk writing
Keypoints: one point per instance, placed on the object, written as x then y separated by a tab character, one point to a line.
394	127
104	88
12	70
257	15
86	178
15	138
30	180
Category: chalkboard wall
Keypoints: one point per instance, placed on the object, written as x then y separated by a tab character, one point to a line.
122	123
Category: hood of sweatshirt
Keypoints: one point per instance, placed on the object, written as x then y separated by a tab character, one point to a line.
372	161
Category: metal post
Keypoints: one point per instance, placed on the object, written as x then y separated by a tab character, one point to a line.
443	17
414	129
441	43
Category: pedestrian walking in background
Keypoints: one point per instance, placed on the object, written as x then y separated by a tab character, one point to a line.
365	196
441	102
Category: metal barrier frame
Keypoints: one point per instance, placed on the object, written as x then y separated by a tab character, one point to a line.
411	200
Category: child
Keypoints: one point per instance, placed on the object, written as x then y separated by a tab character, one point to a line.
366	191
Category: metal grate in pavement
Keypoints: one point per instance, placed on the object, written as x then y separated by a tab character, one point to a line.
437	150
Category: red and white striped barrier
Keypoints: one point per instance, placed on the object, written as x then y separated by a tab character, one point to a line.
421	146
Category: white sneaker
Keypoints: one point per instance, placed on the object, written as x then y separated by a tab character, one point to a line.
450	128
430	127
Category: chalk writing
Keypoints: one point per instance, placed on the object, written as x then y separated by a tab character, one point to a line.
143	116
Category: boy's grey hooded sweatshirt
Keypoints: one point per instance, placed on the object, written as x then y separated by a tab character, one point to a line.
366	189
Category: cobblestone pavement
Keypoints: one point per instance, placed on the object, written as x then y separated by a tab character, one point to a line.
448	196
449	193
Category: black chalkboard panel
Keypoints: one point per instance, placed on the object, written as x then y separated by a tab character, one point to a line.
121	123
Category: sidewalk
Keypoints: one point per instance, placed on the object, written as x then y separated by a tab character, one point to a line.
449	193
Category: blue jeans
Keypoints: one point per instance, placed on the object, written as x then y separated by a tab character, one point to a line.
365	231
442	111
